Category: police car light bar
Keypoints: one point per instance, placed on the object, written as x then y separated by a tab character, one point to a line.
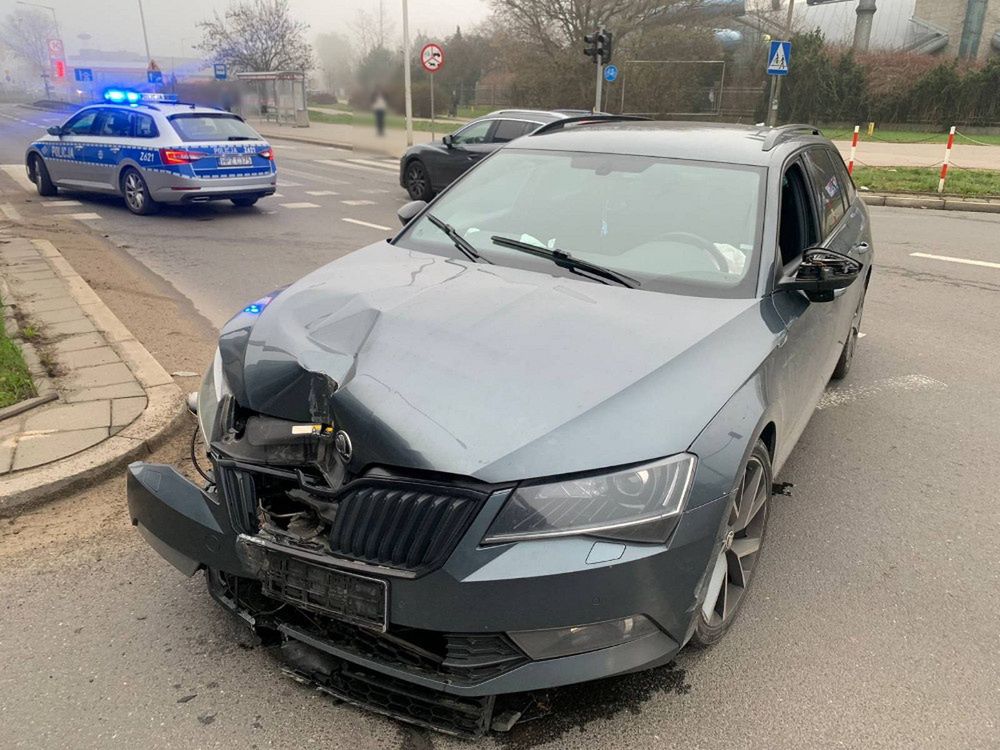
125	96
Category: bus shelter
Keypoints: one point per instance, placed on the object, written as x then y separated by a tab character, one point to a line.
276	96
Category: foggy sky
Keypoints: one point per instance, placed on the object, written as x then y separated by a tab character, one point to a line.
114	24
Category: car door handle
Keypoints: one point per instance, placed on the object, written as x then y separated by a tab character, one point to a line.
862	247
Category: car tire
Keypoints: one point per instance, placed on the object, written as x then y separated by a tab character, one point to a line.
40	175
418	181
731	570
135	191
847	353
244	201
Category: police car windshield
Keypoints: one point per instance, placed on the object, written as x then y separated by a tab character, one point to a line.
212	127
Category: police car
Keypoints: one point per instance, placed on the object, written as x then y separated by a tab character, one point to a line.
152	149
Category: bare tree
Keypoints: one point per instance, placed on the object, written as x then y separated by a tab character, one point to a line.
257	35
555	23
372	31
25	33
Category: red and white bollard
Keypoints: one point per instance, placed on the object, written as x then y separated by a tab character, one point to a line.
854	149
947	159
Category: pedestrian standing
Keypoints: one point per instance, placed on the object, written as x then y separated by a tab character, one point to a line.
379	107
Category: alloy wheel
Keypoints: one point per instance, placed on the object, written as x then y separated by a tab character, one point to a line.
736	561
135	191
416	181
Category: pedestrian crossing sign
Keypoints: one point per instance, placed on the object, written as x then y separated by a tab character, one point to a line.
778	58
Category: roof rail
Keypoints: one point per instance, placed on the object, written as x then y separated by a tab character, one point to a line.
774	136
583	120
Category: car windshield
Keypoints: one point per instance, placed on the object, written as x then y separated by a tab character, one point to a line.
210	127
676	226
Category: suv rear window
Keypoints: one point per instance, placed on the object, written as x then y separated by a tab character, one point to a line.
209	127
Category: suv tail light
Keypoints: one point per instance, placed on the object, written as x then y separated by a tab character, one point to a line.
175	156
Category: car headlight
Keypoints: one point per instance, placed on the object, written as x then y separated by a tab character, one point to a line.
639	504
213	388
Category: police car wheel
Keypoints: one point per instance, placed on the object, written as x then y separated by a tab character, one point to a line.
136	193
245	201
40	176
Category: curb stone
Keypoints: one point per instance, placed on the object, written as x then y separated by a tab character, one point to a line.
902	200
164	409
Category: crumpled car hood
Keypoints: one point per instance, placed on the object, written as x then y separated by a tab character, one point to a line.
487	371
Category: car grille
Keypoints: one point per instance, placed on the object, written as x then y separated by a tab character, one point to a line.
407	525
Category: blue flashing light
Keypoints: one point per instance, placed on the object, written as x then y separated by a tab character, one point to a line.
125	96
256	308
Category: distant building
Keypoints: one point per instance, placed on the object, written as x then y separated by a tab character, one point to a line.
956	28
890	25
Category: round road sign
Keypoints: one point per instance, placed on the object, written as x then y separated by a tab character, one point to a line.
432	58
611	73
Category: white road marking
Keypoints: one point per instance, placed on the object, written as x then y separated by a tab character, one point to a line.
299	205
17	173
285	183
366	224
61	203
283	146
358	203
10	212
350	165
950	259
86	216
374	191
371	163
277	195
322	192
841	395
861	335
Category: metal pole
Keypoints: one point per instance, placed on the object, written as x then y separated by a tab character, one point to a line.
863	27
600	81
408	92
432	104
145	37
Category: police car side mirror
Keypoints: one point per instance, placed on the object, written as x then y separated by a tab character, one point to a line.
56	130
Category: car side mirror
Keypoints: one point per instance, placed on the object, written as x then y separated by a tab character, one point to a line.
56	130
820	273
408	211
448	141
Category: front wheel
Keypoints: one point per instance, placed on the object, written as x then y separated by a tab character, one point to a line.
418	182
40	176
136	193
244	201
732	568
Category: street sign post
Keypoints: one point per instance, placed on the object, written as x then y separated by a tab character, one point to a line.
221	71
432	60
611	73
84	75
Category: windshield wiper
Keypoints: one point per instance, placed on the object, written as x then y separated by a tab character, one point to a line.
564	260
458	240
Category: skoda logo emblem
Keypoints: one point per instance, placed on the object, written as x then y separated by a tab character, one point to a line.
342	442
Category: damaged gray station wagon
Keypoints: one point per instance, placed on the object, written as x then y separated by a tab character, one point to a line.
530	441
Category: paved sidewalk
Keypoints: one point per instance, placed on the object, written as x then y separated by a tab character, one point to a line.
104	378
355	137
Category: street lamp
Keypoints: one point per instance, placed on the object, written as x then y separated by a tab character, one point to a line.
55	21
407	90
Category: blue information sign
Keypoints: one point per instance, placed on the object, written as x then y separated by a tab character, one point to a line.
779	58
83	74
221	72
610	73
154	76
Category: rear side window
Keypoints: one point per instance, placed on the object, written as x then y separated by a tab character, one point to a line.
211	127
508	130
830	189
143	126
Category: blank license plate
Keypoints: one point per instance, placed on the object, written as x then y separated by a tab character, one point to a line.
344	596
236	160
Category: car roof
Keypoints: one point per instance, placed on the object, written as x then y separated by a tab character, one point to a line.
165	108
754	145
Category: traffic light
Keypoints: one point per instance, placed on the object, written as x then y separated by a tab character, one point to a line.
599	46
59	68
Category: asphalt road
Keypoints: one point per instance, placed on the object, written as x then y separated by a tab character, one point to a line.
873	619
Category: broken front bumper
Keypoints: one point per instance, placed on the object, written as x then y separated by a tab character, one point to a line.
479	592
